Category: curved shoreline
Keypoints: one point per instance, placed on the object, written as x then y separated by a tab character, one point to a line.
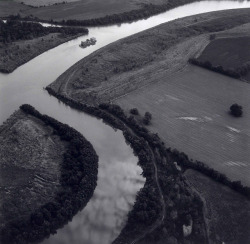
78	181
147	11
14	67
114	115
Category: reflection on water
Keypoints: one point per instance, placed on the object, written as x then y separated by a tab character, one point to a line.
119	177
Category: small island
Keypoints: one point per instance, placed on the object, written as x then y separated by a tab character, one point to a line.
88	42
48	173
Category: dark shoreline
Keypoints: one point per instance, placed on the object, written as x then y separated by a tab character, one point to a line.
147	11
78	181
181	157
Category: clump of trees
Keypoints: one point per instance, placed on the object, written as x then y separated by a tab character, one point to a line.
14	30
236	110
180	202
219	69
134	111
153	140
78	181
147	118
235	73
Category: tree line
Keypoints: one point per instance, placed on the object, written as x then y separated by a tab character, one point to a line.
15	30
145	212
147	206
78	181
146	11
236	73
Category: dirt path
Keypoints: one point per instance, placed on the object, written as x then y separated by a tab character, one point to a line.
163	213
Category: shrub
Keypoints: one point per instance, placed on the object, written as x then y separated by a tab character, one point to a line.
134	111
236	110
147	118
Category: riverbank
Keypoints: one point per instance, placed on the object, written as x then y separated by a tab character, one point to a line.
147	222
154	203
41	174
32	40
91	13
158	58
134	62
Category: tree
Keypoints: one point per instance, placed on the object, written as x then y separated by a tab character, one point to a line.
236	110
147	118
134	111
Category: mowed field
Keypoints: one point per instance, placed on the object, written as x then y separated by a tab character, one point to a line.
44	2
227	212
190	113
79	10
230	52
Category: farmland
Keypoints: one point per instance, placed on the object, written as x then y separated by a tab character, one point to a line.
72	9
228	52
133	62
190	112
38	3
30	166
189	105
226	212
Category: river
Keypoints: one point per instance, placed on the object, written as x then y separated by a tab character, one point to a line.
119	176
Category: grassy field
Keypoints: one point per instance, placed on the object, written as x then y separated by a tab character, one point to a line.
29	166
230	53
189	107
10	7
82	9
227	213
133	62
190	112
44	2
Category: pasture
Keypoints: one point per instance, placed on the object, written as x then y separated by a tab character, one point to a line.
72	9
37	3
190	113
230	52
227	212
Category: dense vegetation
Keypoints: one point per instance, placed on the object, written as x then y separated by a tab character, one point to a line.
14	30
236	110
234	73
148	212
145	12
78	181
154	140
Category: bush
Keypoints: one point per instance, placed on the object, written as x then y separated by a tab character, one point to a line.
134	111
236	110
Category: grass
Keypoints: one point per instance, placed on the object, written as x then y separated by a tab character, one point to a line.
227	212
44	2
29	166
190	112
78	10
230	53
190	107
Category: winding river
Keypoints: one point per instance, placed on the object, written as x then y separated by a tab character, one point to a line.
119	176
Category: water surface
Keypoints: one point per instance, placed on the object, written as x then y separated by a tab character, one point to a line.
118	177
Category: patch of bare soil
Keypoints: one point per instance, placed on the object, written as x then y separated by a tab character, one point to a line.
30	158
